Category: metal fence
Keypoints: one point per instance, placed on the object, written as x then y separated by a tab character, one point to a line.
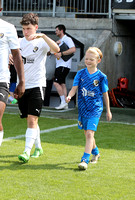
60	8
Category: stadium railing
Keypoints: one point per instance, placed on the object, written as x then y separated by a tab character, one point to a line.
58	8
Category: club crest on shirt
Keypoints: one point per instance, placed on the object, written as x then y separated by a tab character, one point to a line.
80	123
1	35
96	83
35	49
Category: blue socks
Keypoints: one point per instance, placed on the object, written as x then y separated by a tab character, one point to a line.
86	157
95	151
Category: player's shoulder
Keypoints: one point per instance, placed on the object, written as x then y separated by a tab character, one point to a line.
102	74
81	72
6	25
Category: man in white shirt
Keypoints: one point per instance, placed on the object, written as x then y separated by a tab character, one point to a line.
63	67
34	48
9	42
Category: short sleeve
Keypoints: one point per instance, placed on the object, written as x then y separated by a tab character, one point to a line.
105	85
13	38
76	79
69	42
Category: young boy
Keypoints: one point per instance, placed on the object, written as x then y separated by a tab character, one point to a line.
92	87
34	48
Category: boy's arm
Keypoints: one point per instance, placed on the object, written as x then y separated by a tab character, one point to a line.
107	103
54	48
71	93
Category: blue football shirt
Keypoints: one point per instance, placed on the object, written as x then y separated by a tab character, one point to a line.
90	92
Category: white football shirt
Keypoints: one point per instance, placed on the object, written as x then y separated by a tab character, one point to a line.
8	40
34	54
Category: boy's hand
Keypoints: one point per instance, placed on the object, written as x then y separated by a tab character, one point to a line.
68	98
108	116
35	36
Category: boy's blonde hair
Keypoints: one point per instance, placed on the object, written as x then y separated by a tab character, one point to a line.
96	51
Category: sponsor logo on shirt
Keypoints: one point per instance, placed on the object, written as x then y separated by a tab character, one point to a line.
30	60
87	93
35	49
80	123
27	60
1	35
96	83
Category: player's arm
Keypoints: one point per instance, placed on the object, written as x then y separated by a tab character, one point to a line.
107	103
18	63
71	93
54	48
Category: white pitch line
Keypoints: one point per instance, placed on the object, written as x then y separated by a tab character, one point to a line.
45	110
59	128
41	132
124	123
112	122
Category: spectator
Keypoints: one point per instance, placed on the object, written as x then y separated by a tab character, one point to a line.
63	67
50	70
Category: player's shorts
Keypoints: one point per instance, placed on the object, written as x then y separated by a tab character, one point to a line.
88	123
12	87
31	102
4	92
61	74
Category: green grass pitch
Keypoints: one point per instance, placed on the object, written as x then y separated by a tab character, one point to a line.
55	175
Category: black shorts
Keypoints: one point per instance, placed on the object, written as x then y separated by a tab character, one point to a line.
4	92
31	102
61	74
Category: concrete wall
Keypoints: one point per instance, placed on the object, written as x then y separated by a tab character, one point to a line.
102	33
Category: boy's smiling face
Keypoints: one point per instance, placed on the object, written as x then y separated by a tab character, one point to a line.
91	60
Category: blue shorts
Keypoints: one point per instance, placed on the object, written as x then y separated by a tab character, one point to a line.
12	87
88	123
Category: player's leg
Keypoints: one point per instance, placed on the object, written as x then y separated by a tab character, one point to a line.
89	135
35	110
90	126
4	91
31	106
11	98
38	148
23	107
95	153
30	137
2	109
